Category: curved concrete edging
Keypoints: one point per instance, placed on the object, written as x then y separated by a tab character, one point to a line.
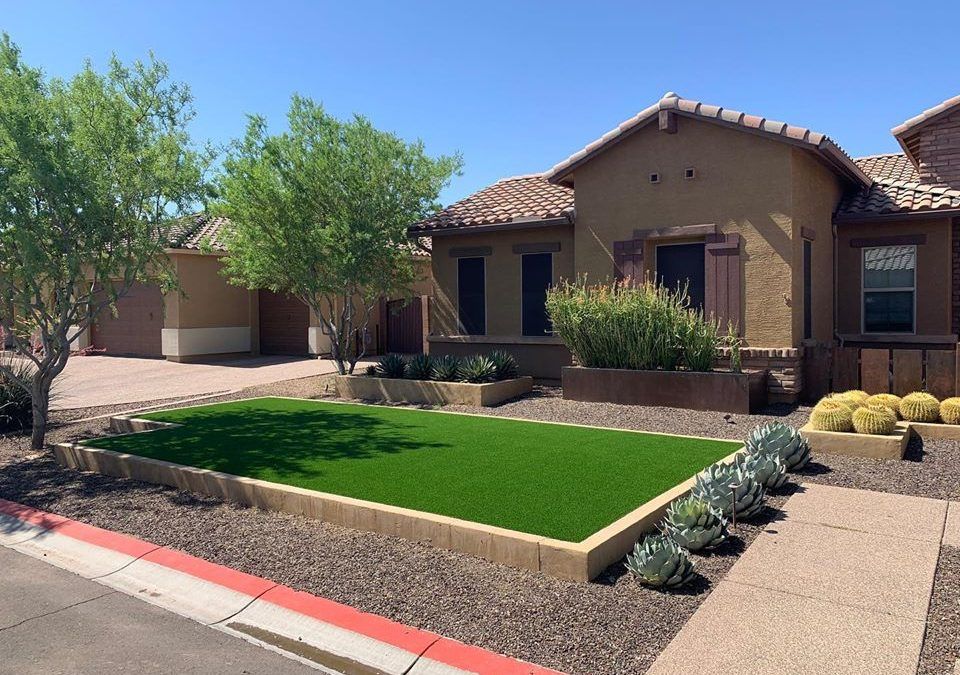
576	561
321	631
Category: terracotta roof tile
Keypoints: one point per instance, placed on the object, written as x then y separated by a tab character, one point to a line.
672	101
508	200
926	115
891	166
197	231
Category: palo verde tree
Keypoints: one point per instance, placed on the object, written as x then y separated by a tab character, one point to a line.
321	211
91	170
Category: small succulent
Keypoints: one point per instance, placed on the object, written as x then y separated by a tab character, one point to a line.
767	468
391	365
693	524
660	562
920	407
506	366
780	439
950	410
477	369
420	367
730	490
831	414
874	419
446	368
892	401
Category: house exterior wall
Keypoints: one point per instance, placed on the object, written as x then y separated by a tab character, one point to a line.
816	193
211	316
502	275
937	147
934	307
744	184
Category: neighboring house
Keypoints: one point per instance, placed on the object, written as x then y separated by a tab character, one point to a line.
212	318
773	227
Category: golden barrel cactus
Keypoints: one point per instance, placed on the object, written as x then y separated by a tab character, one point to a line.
831	414
874	419
856	395
892	401
950	410
920	407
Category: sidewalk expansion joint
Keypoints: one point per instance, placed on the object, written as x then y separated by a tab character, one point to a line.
859	608
57	611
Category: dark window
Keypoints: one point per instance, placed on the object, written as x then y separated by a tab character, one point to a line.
680	265
807	289
471	296
889	289
536	275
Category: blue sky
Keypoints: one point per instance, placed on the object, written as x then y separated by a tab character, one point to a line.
517	86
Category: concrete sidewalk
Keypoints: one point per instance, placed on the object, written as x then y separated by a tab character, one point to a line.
841	585
53	621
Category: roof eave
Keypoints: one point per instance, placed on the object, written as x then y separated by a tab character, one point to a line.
850	218
492	227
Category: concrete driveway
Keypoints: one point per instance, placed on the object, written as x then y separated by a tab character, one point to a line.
107	380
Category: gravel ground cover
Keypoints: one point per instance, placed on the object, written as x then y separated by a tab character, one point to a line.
941	644
610	626
526	476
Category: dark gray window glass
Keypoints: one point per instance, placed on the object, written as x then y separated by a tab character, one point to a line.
536	275
472	296
680	265
889	289
807	289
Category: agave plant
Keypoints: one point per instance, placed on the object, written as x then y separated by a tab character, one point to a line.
506	366
780	439
767	468
660	562
693	524
392	366
420	367
477	369
730	490
446	368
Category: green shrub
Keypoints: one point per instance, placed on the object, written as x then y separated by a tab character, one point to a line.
477	369
638	327
506	366
446	368
391	365
420	367
16	412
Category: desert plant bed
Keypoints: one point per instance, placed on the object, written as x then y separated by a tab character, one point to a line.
477	483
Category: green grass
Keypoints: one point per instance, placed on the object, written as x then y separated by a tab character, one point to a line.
552	480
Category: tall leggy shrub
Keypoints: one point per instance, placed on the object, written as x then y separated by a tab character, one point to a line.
638	327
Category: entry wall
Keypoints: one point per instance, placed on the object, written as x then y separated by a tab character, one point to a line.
211	316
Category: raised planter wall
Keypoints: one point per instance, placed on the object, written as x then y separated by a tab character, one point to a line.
434	393
725	392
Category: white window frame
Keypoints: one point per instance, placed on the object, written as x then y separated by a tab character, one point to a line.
486	307
893	289
549	253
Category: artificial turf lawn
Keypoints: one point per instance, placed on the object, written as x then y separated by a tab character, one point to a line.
553	480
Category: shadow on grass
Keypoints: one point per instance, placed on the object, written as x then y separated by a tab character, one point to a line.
250	441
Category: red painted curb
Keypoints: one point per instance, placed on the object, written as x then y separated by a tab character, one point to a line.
414	640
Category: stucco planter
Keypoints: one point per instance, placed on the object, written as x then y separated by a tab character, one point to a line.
722	391
435	393
891	446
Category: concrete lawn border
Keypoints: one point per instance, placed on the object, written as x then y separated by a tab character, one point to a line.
301	626
575	561
892	446
399	390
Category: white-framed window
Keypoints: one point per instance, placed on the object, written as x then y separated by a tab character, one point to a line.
889	289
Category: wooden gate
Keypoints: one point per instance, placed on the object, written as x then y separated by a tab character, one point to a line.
897	371
405	325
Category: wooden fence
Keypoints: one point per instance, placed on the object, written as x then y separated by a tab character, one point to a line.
896	371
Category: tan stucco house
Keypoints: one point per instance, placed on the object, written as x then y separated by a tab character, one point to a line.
210	318
774	227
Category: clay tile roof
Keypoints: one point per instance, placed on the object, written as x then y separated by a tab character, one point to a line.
888	167
673	102
196	231
517	199
926	116
891	197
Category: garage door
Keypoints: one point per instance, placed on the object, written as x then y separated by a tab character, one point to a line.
135	330
284	324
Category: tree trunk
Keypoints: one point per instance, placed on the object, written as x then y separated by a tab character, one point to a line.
41	410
